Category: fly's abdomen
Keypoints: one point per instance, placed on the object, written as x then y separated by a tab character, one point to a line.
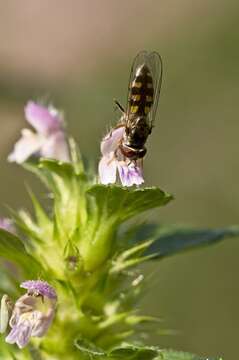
142	92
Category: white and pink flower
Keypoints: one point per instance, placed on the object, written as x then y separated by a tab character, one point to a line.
32	313
48	140
7	224
113	162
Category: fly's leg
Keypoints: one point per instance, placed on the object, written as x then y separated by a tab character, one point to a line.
119	106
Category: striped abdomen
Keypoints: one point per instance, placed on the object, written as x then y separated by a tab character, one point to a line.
142	92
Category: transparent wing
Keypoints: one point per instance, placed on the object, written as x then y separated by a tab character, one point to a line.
154	62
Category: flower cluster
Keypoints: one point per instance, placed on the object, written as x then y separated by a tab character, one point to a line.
32	313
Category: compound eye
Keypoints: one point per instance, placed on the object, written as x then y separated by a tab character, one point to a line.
142	153
128	152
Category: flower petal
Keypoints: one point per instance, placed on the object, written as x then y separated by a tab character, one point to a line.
130	174
55	147
24	333
26	146
7	224
12	336
107	170
44	120
111	140
20	333
41	322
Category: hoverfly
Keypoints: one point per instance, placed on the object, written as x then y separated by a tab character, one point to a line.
143	97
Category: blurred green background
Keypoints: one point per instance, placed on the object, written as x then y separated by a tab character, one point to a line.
78	55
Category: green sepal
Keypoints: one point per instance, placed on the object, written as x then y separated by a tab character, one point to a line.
42	218
13	249
131	257
68	188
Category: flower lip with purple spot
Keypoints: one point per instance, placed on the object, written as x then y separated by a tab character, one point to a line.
42	287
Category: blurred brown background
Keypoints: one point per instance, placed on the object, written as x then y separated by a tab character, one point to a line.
78	55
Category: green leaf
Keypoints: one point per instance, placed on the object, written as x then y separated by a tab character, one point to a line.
124	203
88	349
180	239
175	239
137	233
12	249
179	355
160	241
131	352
